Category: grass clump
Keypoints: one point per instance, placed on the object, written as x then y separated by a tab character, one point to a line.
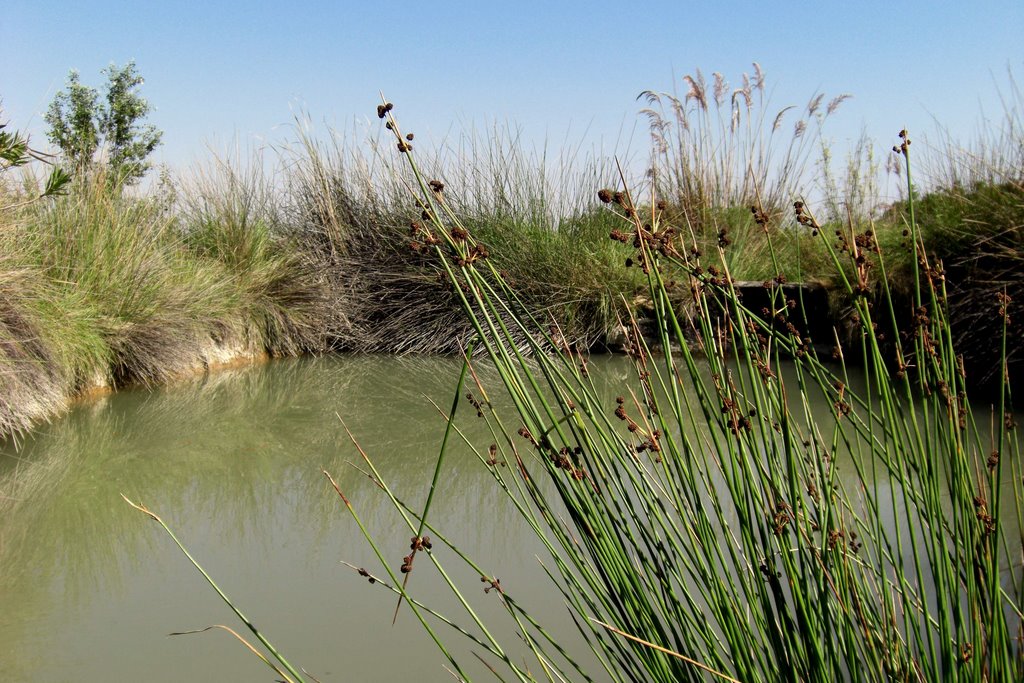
230	216
105	289
703	525
115	259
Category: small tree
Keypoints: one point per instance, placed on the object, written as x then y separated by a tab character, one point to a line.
73	129
82	124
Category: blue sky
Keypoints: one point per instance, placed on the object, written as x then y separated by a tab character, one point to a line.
560	71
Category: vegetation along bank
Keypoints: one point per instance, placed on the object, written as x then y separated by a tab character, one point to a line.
104	284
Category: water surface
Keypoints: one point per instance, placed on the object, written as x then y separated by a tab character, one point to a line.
90	588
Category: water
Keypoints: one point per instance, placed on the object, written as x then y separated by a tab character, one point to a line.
91	589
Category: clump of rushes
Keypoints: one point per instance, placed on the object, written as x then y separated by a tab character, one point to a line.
972	220
710	524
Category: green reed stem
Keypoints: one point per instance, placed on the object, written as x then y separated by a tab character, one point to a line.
720	526
252	627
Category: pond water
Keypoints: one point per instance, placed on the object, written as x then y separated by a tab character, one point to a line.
91	588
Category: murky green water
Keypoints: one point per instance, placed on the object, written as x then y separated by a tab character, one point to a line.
90	588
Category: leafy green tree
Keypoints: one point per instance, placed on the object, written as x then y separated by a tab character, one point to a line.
89	129
129	142
74	129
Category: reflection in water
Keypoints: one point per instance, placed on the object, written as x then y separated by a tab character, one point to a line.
233	462
90	588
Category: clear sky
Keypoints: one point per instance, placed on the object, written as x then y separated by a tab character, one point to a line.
223	71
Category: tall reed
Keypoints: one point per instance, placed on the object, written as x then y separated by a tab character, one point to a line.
719	147
973	219
705	525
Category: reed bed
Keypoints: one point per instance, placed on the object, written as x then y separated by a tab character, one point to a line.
310	252
711	535
707	524
105	289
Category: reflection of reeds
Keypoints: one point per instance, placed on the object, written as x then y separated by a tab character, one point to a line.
738	549
220	447
232	460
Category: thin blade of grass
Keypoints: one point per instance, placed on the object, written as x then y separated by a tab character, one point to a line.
671	653
252	627
245	642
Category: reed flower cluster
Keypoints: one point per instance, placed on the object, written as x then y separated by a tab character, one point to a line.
710	523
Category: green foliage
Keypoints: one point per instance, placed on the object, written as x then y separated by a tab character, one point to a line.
130	143
15	153
83	124
73	120
718	524
13	148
